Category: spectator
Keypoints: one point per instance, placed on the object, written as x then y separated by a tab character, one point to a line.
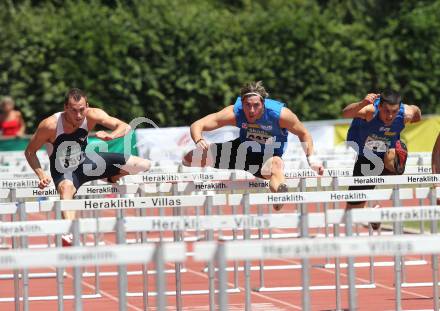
11	120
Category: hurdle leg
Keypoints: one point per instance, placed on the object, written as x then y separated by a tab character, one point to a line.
234	237
260	236
144	268
77	275
434	258
371	258
350	263
25	274
122	269
177	266
336	233
398	264
211	266
305	271
59	271
17	275
222	278
247	265
97	238
160	278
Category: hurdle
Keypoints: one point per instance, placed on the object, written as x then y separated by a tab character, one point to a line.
102	255
144	203
312	248
246	221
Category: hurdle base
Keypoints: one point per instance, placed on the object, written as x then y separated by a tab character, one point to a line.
184	292
315	287
378	264
418	284
51	298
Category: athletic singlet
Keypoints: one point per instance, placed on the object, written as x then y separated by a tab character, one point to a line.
67	151
266	131
374	135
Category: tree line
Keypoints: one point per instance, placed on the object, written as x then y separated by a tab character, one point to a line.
174	61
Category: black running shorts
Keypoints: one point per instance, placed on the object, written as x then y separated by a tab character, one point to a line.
357	171
227	157
109	165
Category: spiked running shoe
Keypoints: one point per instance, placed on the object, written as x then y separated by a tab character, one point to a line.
400	158
281	188
375	225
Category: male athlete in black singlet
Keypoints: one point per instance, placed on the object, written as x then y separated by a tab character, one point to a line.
71	165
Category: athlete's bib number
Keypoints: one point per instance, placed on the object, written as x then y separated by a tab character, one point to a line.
258	136
71	156
376	145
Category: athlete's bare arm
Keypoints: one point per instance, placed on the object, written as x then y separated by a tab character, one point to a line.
290	121
211	122
98	116
412	114
359	110
44	134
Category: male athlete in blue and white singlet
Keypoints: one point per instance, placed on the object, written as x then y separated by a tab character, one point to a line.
374	133
264	124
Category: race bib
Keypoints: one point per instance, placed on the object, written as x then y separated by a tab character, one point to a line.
375	144
258	135
71	156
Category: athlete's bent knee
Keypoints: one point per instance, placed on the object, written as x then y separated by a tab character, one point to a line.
66	188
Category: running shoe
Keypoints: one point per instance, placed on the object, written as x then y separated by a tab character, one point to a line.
400	158
67	240
375	225
281	188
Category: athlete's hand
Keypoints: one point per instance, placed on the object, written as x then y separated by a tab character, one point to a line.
202	144
370	98
103	135
44	182
316	165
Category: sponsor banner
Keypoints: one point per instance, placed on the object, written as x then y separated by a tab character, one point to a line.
170	144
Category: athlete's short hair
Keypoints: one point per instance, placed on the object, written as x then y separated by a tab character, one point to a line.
76	94
252	89
391	97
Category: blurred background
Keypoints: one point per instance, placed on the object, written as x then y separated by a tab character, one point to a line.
174	61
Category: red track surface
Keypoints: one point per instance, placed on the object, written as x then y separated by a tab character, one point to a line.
379	298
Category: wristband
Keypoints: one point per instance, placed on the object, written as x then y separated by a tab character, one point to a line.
199	140
311	159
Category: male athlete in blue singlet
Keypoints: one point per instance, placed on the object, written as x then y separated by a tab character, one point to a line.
374	133
435	160
264	124
71	165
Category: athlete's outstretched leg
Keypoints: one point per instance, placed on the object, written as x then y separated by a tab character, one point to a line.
67	190
134	165
273	169
199	158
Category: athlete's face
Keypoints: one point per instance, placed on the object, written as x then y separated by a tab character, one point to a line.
76	111
253	108
388	112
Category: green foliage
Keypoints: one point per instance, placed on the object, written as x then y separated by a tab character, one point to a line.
174	61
